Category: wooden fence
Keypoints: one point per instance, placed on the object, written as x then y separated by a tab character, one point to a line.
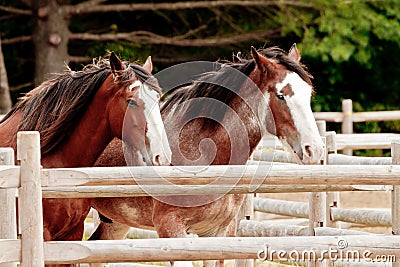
31	181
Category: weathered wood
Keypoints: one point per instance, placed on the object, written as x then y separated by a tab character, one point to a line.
365	140
136	190
332	198
351	141
333	159
270	142
130	265
340	159
248	228
329	116
281	207
370	217
125	264
226	175
30	199
332	201
317	210
274	156
347	123
245	213
10	250
317	204
331	142
215	248
9	176
391	115
321	125
395	211
8	218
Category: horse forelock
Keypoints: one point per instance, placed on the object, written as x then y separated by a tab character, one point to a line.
145	77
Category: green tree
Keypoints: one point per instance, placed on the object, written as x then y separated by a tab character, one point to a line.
351	46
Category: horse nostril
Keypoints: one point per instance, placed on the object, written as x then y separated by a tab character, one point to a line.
156	160
308	151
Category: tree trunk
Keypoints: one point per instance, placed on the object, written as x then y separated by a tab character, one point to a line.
50	38
5	99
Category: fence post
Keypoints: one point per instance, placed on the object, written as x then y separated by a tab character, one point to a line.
347	123
30	199
395	152
246	212
317	201
8	218
332	198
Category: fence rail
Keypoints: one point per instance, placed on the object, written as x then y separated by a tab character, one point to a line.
31	179
239	178
359	116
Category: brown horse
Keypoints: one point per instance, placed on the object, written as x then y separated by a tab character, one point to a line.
219	119
77	115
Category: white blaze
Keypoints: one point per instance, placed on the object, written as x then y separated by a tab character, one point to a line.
156	134
300	109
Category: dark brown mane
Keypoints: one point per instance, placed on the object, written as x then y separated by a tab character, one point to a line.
56	106
223	85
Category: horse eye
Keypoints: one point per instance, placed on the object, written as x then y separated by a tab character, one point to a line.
132	103
280	97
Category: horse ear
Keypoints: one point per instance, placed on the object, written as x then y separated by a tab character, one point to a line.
263	63
294	53
148	65
116	64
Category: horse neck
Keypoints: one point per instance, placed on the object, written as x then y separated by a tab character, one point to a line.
246	119
87	141
231	143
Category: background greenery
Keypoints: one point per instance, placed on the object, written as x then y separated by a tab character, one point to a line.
351	47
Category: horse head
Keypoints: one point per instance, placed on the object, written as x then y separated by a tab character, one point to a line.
134	112
287	88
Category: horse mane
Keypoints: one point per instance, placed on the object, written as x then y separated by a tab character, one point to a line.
213	85
292	65
55	107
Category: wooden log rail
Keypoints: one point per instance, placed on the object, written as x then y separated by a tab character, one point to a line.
365	116
344	141
370	217
30	250
236	177
165	249
248	228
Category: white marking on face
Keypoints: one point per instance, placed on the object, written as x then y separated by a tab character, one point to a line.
300	109
156	134
137	83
